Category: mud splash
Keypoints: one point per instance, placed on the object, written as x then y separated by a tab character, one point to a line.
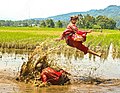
87	70
89	73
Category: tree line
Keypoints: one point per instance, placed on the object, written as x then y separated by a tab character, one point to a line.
85	21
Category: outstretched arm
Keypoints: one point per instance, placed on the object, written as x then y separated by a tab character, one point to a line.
89	31
59	39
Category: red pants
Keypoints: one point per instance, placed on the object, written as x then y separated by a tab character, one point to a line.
50	75
76	44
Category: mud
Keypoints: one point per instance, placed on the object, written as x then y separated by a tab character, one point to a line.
89	74
8	82
9	85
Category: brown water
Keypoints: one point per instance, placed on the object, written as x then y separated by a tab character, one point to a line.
109	68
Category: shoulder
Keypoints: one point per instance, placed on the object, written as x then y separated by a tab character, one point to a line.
71	25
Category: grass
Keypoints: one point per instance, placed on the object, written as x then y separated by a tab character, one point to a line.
27	34
105	38
34	35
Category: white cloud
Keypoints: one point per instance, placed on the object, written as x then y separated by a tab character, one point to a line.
22	9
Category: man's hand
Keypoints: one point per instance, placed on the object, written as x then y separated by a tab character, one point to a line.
89	31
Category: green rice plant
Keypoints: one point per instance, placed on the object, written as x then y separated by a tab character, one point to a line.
36	35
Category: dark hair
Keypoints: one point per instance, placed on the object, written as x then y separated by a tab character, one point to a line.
74	18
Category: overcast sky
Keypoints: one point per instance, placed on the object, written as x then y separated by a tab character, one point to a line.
24	9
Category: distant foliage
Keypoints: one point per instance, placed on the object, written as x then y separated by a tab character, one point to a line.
102	22
42	23
105	22
112	11
85	21
59	24
50	23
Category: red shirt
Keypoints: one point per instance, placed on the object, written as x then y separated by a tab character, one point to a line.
72	29
51	75
82	33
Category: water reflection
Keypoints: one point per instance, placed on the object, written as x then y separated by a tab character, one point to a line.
74	62
89	65
12	60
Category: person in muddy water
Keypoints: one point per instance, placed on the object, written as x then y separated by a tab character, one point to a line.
52	76
75	37
38	70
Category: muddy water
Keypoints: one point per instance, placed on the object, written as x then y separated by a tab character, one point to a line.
109	68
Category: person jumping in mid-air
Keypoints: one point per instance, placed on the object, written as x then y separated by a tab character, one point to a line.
75	37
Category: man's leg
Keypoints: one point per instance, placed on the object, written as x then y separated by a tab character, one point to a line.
80	46
85	49
94	53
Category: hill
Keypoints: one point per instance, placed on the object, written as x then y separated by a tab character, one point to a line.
112	11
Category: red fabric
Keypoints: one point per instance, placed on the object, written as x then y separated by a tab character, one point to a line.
82	33
70	30
69	35
66	33
78	45
50	75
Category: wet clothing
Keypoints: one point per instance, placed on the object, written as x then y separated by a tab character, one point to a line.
50	75
70	34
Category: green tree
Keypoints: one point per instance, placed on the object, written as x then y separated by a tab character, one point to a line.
59	24
25	24
50	23
89	21
2	22
85	21
111	24
105	22
42	23
81	22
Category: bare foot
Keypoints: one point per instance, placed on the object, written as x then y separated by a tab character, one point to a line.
99	54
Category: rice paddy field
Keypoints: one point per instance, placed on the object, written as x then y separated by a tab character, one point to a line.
17	37
27	34
106	67
21	37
